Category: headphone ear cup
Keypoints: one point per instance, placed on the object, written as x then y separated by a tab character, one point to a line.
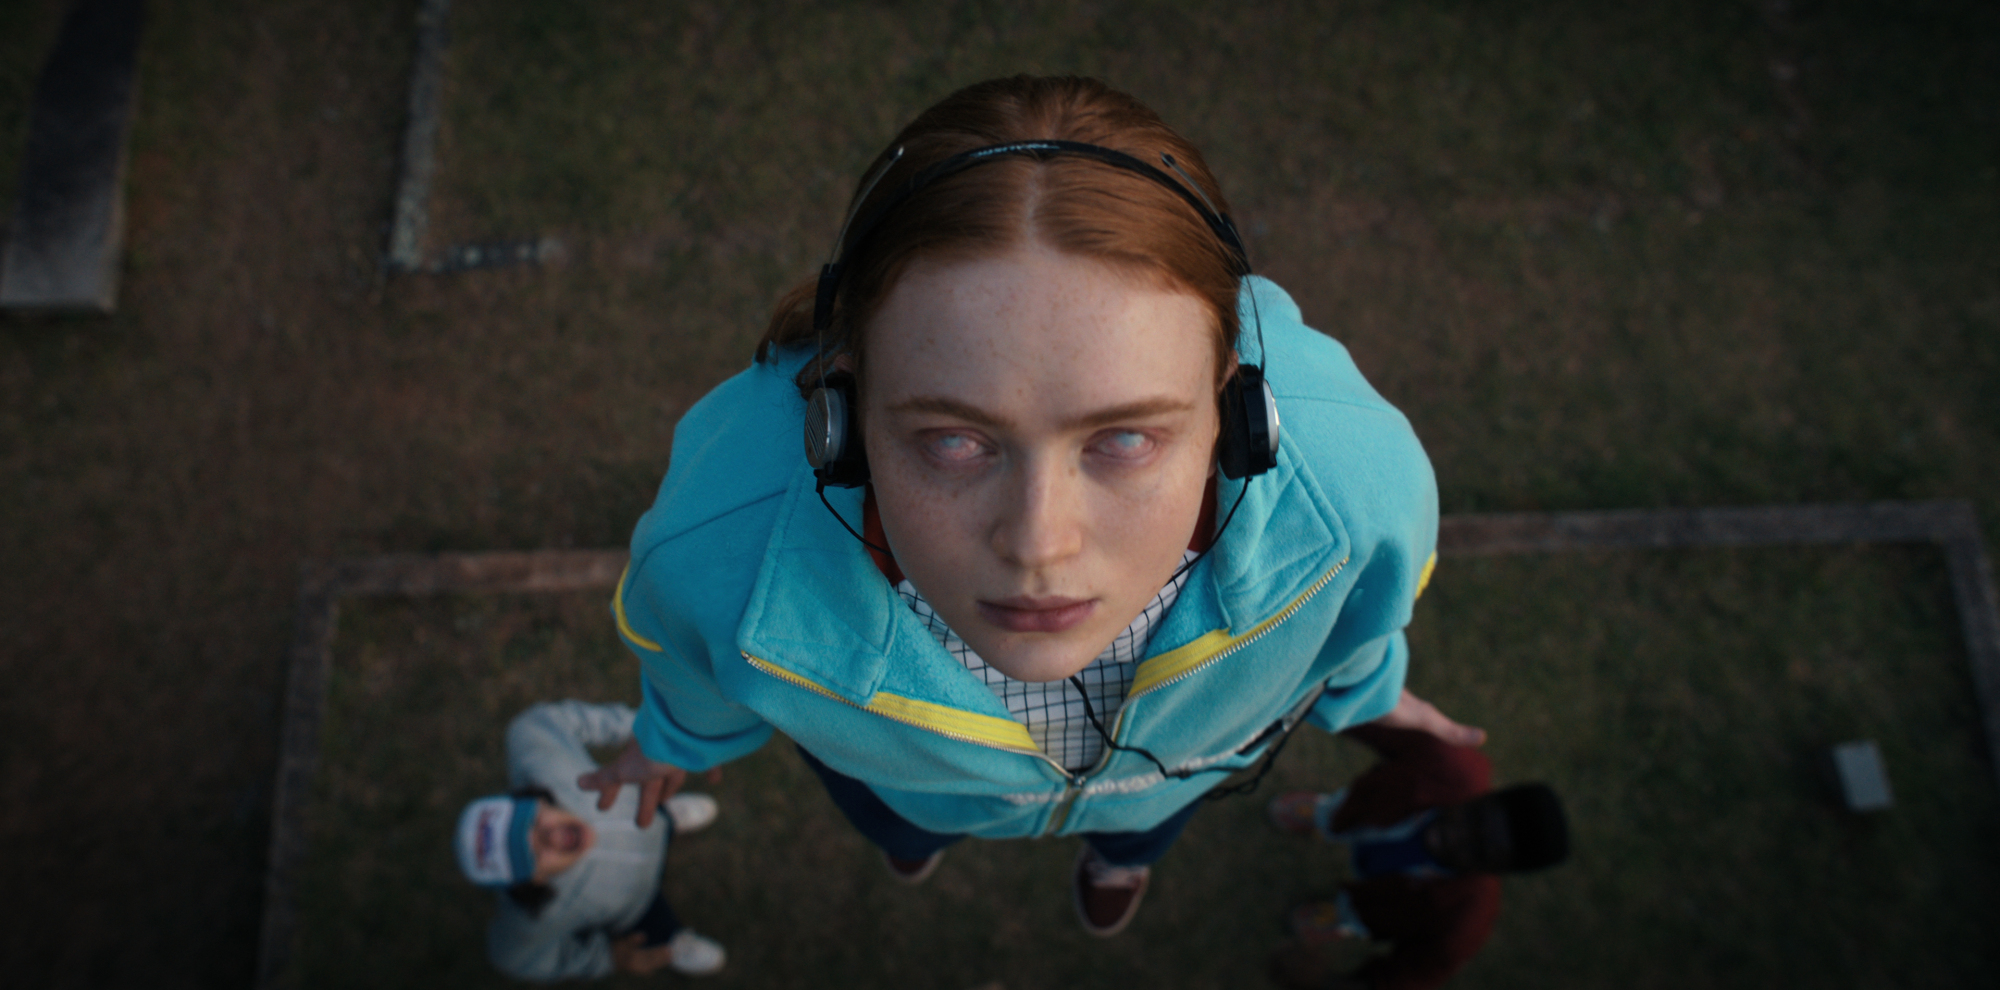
1249	443
833	443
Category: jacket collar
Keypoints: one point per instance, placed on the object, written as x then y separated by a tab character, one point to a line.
822	610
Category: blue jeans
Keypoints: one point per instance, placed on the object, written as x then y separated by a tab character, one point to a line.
903	840
658	923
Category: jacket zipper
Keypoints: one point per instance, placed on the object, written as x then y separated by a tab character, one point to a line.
1078	781
1257	633
1073	782
788	677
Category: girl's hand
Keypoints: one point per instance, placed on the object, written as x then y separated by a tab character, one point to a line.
657	781
1412	712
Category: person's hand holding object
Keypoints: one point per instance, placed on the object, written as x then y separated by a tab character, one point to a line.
657	781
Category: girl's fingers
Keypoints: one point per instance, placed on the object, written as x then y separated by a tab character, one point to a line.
593	781
650	797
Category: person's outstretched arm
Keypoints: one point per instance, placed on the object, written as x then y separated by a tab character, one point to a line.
560	732
685	722
548	742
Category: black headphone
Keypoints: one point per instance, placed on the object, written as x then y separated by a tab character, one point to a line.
1248	445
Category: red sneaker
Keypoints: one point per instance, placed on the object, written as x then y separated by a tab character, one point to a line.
913	871
1106	896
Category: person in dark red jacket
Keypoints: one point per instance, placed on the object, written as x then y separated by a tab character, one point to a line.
1427	835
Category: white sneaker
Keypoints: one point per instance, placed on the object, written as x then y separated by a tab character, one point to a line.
691	812
695	955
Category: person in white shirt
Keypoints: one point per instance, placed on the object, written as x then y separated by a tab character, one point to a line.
579	887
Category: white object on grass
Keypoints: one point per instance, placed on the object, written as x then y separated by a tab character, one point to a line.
695	955
1863	782
691	811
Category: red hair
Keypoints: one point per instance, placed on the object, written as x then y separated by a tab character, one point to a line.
1072	204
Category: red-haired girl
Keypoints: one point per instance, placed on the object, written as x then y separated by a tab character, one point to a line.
1061	559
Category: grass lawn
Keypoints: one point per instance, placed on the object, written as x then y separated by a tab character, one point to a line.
1713	253
1678	700
1704	255
1688	255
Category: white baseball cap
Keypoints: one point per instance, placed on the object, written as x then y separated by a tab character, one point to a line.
492	843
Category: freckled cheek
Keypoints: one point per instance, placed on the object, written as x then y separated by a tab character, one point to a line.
1170	496
1151	539
1134	529
933	529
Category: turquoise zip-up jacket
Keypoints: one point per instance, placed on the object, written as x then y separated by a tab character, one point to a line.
751	608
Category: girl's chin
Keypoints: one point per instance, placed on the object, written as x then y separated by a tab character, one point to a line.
1048	663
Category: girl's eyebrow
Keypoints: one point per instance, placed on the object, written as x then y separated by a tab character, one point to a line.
1139	409
1155	406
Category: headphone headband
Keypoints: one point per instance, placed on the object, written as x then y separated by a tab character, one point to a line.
854	234
1249	443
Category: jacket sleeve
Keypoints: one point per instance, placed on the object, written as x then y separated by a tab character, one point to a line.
1351	701
684	717
525	949
547	742
1373	473
1368	653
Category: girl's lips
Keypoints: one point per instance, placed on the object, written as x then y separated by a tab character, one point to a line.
1022	614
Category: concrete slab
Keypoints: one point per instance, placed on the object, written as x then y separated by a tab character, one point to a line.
1864	784
419	162
68	226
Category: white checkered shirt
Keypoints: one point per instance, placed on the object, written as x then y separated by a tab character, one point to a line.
1051	710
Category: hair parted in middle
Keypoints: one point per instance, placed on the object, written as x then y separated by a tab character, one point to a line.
1071	204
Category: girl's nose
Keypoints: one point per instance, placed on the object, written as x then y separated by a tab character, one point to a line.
1041	522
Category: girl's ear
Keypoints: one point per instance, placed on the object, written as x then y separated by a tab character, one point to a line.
843	362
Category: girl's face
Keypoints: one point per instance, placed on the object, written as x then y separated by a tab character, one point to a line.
1039	430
